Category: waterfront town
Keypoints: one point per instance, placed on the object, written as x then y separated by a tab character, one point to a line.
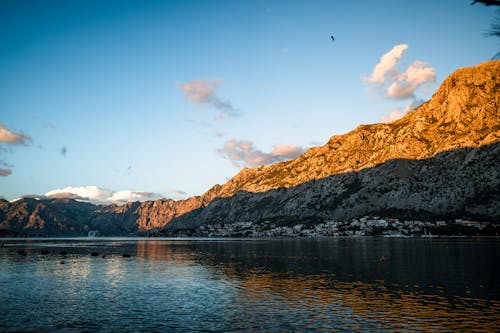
365	226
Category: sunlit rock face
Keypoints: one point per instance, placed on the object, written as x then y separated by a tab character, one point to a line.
439	160
464	112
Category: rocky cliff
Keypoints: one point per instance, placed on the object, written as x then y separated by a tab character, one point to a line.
438	160
51	217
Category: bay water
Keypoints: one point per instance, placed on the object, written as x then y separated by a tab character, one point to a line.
226	285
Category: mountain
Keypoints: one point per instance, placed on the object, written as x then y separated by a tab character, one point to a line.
464	112
438	161
457	128
460	183
45	217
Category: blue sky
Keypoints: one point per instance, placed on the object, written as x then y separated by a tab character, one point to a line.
148	99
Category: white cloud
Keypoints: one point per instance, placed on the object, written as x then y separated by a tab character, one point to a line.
92	193
407	82
128	195
399	113
386	67
176	194
393	116
11	137
204	92
242	153
99	195
399	84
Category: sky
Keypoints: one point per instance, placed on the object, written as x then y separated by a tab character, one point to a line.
111	101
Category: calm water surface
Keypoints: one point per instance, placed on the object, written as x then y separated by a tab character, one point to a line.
328	284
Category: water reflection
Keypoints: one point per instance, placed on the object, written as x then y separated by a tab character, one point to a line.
270	285
422	286
173	251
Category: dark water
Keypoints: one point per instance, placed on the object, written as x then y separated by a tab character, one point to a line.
326	284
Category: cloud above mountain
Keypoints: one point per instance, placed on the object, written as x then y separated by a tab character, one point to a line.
204	91
399	113
176	194
242	153
99	195
386	67
397	83
405	84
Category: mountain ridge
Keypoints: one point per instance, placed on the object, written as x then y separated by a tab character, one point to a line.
462	113
369	145
467	186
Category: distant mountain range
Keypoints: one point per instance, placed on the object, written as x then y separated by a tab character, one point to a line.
440	161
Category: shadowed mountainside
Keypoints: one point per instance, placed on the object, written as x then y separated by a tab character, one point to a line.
460	183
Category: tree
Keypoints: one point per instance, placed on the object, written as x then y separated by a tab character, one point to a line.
495	27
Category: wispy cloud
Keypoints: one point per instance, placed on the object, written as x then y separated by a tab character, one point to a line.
207	128
99	195
316	143
176	194
242	153
396	83
393	116
12	137
48	124
399	113
5	169
204	91
8	139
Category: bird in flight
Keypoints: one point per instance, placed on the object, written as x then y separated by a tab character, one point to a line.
333	39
